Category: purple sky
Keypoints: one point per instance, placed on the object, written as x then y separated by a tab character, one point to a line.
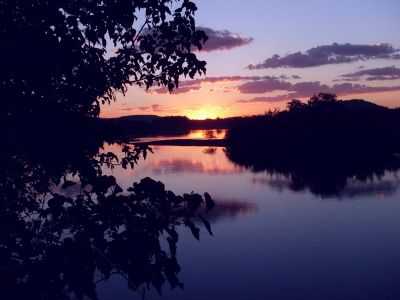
262	53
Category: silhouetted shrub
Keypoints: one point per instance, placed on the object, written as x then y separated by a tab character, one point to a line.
73	55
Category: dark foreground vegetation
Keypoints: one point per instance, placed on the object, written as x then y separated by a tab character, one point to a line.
66	226
321	144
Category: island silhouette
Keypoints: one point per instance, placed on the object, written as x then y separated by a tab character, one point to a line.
320	144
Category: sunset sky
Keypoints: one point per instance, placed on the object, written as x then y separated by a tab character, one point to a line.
262	53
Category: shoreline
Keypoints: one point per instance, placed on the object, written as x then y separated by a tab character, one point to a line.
186	142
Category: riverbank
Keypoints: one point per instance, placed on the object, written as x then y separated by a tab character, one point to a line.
185	142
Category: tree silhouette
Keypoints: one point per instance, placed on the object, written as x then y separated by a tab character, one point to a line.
320	144
295	105
322	98
73	55
65	226
59	61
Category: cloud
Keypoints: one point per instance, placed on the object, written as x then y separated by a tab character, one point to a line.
264	99
223	40
269	84
180	90
217	39
192	85
287	77
329	54
144	108
306	89
385	73
155	108
128	109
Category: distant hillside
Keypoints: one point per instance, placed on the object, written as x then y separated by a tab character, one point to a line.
134	118
144	125
363	105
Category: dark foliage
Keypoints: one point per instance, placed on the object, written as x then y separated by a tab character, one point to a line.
151	125
65	226
320	144
131	127
73	55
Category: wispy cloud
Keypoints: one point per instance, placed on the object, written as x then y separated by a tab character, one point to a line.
262	85
154	108
157	108
144	108
268	84
306	89
128	109
385	73
217	39
329	54
270	99
223	40
192	85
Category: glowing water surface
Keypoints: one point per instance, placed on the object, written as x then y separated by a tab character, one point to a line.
196	134
272	241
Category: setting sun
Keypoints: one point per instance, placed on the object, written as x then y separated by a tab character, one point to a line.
206	112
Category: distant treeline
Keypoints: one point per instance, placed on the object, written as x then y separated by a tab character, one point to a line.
322	126
320	144
146	125
141	126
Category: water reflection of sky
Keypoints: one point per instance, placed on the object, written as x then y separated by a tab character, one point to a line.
271	242
196	134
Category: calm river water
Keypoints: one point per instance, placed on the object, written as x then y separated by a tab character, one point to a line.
272	240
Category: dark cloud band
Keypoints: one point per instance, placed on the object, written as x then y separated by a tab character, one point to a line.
329	54
385	73
305	89
267	84
223	40
193	85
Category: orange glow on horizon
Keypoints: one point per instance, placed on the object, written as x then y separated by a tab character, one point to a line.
205	112
211	104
